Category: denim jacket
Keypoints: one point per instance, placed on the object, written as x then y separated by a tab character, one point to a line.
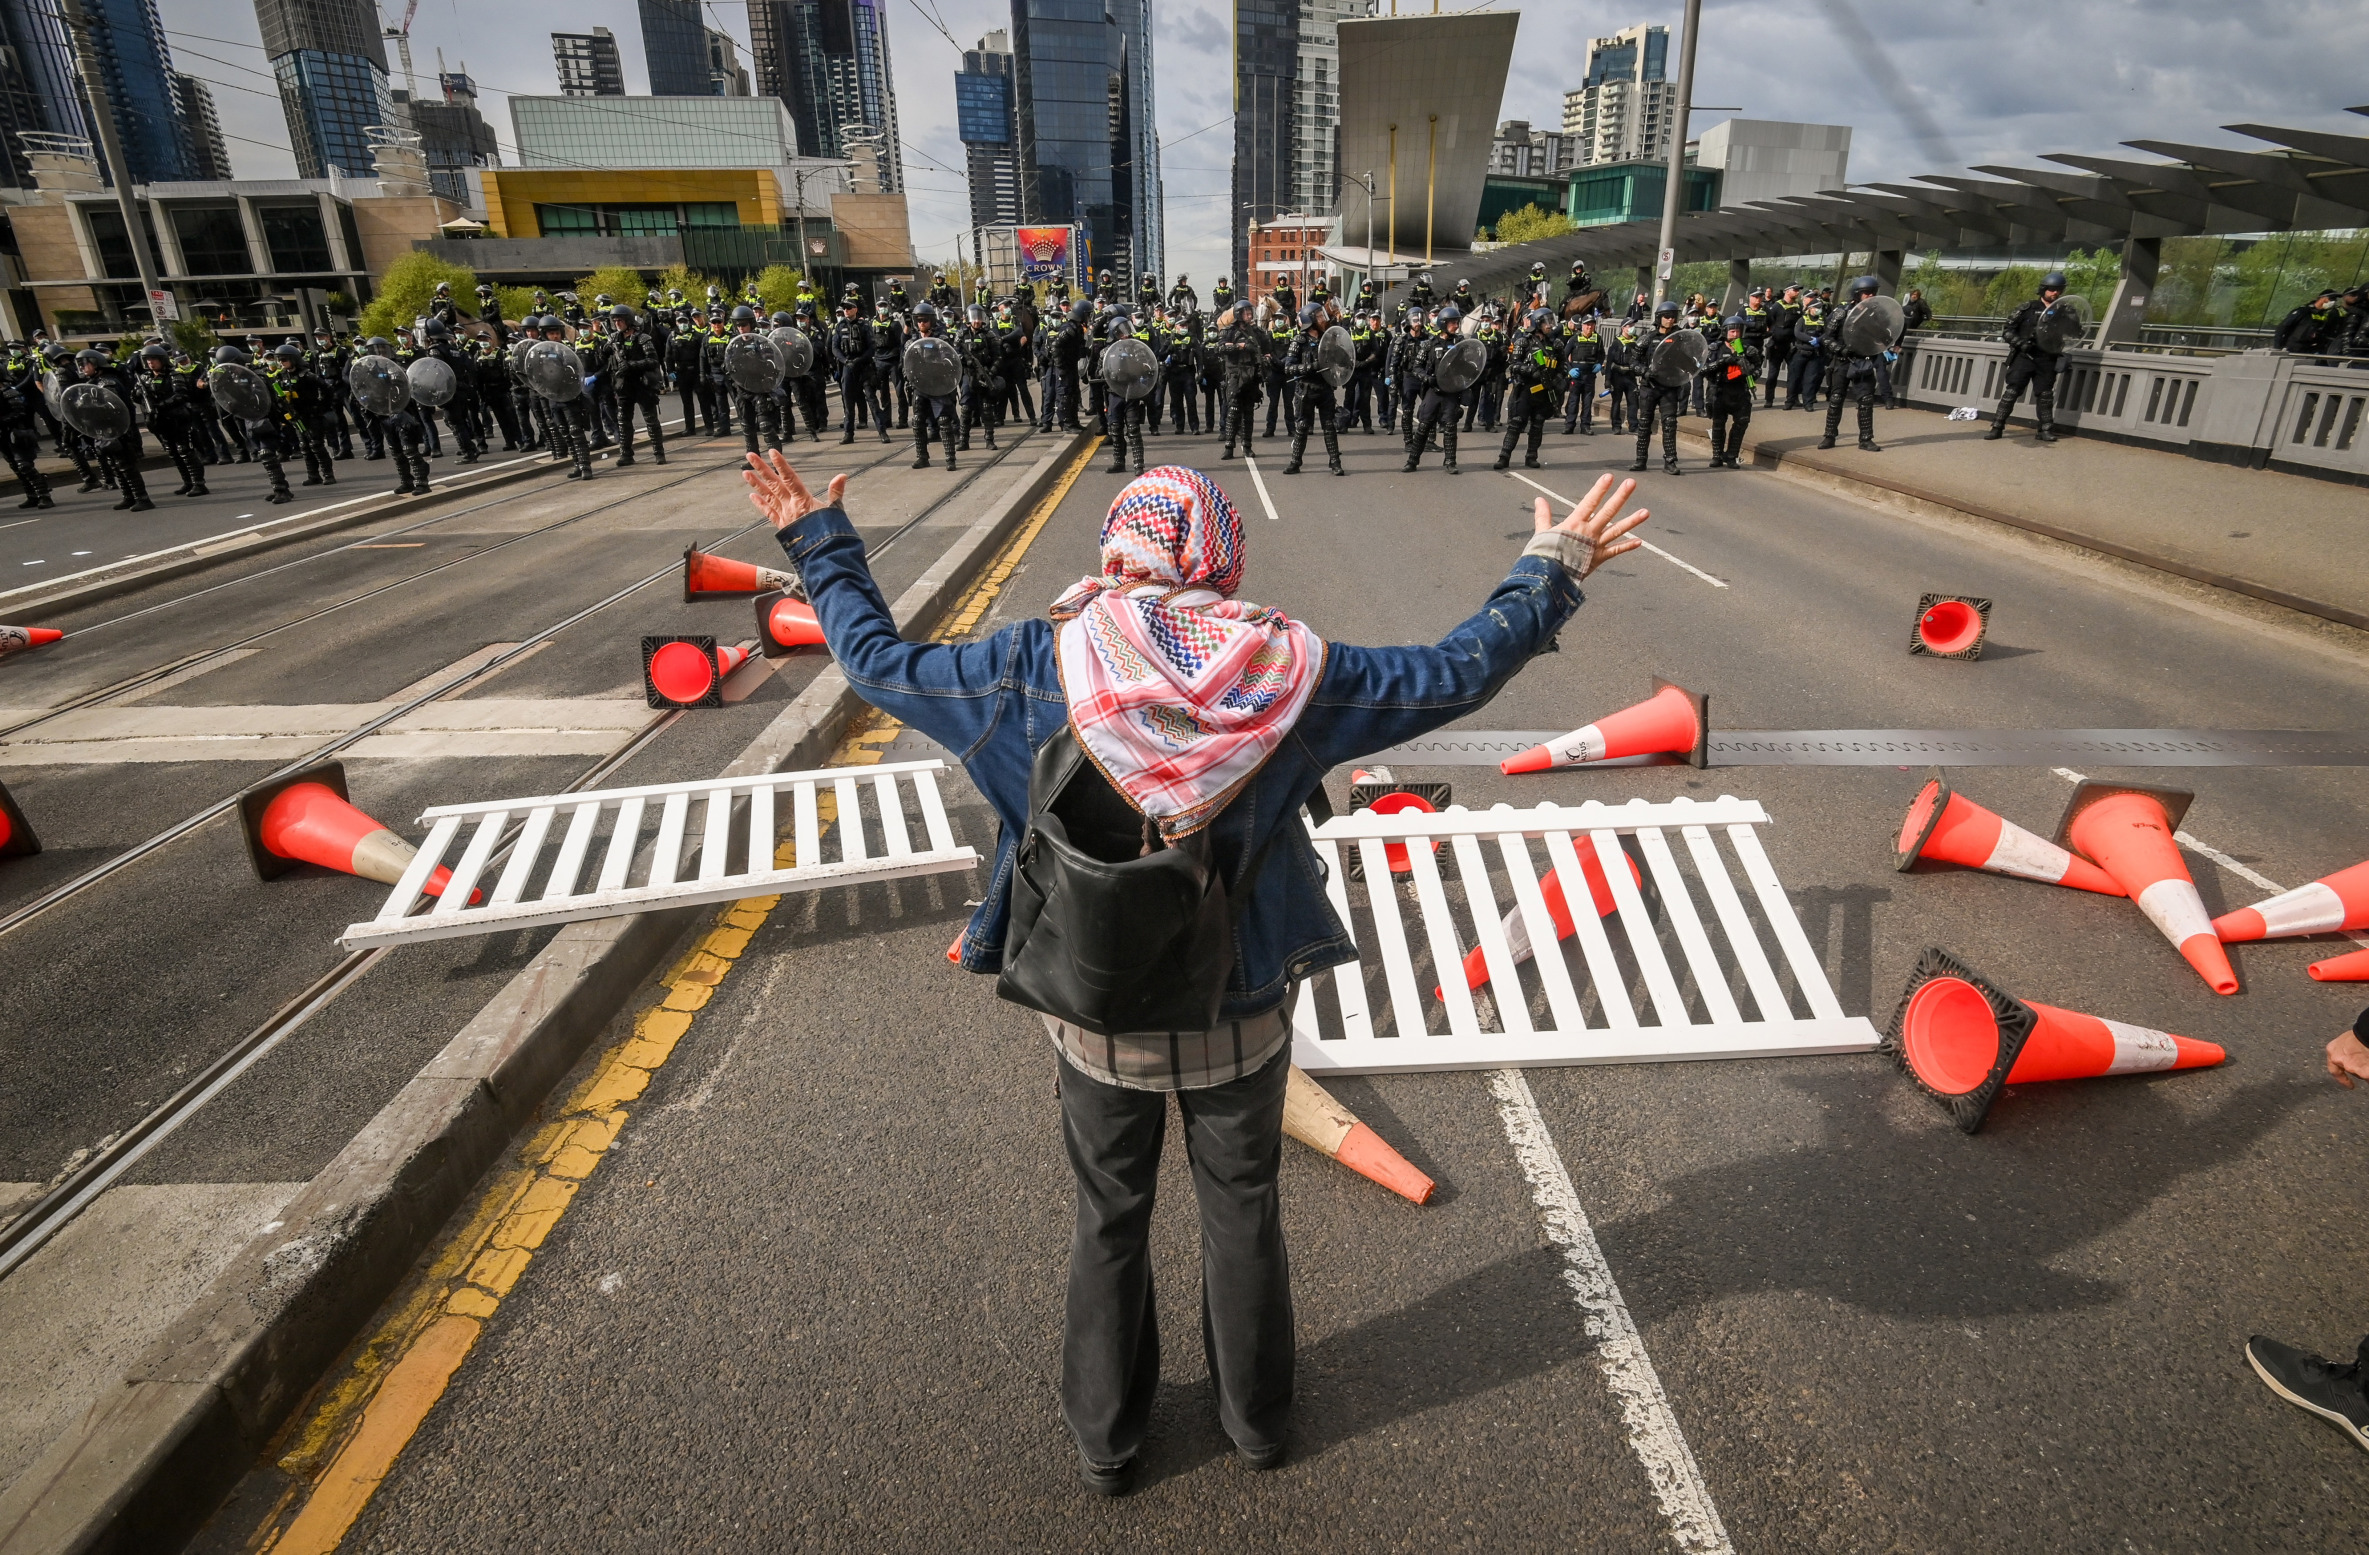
995	702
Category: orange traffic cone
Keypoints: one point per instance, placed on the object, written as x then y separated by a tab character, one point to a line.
1378	791
2126	829
13	638
2353	968
1946	825
687	671
1962	1040
785	625
305	819
1558	908
1950	626
1671	722
708	577
1311	1116
16	833
2337	903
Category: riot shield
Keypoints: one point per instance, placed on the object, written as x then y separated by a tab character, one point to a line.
379	386
240	392
933	369
553	371
1336	357
1677	357
1462	365
797	351
1130	369
2063	324
432	382
1873	326
753	363
94	410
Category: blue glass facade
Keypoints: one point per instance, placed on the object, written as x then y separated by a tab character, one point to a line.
828	61
983	108
1088	152
130	41
674	44
37	89
330	99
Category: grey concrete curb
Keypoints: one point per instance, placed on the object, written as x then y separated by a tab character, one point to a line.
147	1464
1801	464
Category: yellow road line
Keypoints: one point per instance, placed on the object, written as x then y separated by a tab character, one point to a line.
346	1449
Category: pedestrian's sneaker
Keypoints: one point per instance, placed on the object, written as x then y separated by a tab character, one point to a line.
2335	1393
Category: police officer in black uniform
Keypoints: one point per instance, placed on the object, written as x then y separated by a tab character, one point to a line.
851	363
983	385
1660	401
1533	379
20	445
806	388
1855	373
1313	390
173	413
1730	373
1241	355
682	365
760	413
637	375
1066	354
933	414
1438	407
2030	360
888	362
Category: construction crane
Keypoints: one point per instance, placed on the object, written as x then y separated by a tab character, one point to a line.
402	37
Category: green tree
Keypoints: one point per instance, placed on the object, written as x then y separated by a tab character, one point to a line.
407	286
1531	223
619	283
779	286
691	283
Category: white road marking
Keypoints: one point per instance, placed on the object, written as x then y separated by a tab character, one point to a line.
1260	482
1653	1429
1647	544
2196	844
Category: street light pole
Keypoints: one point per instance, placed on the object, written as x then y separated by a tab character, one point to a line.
86	57
1675	189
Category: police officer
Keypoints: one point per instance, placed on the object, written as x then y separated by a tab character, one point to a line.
1369	342
1179	358
942	295
1420	295
1016	332
571	420
1583	359
1122	418
1857	373
1147	294
637	376
983	383
1808	365
1182	300
1730	373
1241	353
1399	369
461	413
400	432
1221	296
491	367
851	365
20	445
806	388
682	365
2030	360
1577	285
2315	328
715	387
173	413
119	458
1067	356
760	413
1655	400
933	414
1276	339
1314	391
888	361
1534	377
306	398
1440	408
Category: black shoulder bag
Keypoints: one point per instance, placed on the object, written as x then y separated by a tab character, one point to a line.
1114	929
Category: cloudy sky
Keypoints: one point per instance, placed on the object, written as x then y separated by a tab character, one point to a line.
1928	86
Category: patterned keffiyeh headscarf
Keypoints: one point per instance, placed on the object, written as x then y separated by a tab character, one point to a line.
1178	690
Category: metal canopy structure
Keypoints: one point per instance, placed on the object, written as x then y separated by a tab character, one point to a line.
2311	180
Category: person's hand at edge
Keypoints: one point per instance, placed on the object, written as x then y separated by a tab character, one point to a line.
1590	536
2348	1058
780	495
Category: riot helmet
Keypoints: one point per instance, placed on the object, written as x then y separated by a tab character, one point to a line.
1668	310
1081	311
2053	281
744	314
90	360
229	356
974	314
1735	323
157	354
1448	314
1865	286
622	314
379	345
437	330
289	351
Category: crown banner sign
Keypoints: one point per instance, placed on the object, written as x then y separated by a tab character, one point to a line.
1046	253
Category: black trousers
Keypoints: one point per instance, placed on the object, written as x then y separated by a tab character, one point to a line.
1579	401
1668	404
1110	1342
1778	352
1731	413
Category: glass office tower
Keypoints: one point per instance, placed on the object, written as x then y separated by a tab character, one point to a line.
1088	138
332	71
828	61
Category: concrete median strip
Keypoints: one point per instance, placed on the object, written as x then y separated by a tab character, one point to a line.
147	1463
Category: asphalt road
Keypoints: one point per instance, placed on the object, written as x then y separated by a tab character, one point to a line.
812	1298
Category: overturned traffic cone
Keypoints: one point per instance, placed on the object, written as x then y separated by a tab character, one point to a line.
1559	907
2126	829
1950	626
687	671
708	577
1378	791
2353	968
1311	1116
16	833
785	625
1962	1040
14	638
1671	722
1944	824
305	819
2332	904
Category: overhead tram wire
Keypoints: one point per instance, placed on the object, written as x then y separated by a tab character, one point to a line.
25	1235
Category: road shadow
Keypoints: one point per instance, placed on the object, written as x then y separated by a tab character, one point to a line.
1994	650
1500	1324
1923	1222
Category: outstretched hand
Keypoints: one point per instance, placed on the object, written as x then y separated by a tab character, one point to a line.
1591	521
782	497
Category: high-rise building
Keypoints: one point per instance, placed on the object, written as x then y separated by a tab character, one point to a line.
129	39
1623	111
1522	152
674	45
1087	137
332	71
209	154
1287	110
454	137
589	64
983	117
37	84
828	61
726	75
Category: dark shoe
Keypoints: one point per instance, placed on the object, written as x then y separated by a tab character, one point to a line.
277	496
34	502
309	480
1449	465
1639	465
143	506
49	501
1292	468
1670	467
1529	463
126	503
469	458
198	490
1337	470
923	463
1502	464
2334	1393
1264	1459
181	490
848	437
660	456
2044	435
1995	433
1826	442
1410	466
1870	446
89	485
1107	1480
624	461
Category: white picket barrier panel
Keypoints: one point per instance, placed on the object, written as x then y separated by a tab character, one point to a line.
1620	1033
570	823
